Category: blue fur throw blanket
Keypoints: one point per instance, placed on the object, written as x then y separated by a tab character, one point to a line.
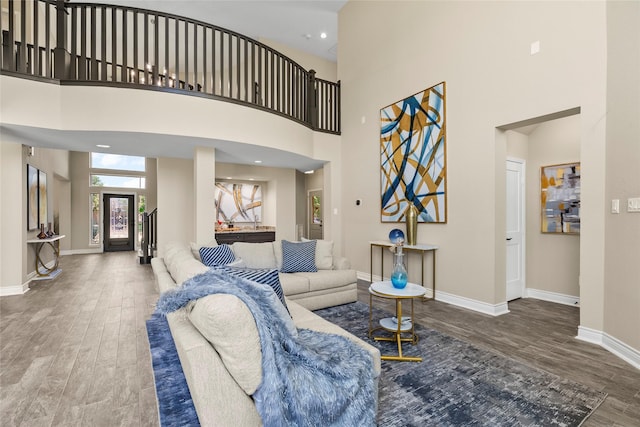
309	378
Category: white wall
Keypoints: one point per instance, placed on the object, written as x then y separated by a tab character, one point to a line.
12	219
622	266
17	259
176	217
553	260
482	51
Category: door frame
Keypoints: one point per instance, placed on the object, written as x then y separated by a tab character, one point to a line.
135	215
523	219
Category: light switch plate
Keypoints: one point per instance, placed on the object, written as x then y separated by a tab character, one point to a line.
615	206
633	204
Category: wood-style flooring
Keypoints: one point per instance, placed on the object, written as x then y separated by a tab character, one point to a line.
74	350
540	334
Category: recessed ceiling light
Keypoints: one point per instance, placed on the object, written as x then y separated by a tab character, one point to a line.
229	177
323	35
251	179
103	146
308	172
257	161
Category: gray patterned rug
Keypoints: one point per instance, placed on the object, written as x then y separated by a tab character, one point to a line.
459	384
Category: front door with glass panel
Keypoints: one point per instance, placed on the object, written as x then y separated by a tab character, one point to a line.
119	222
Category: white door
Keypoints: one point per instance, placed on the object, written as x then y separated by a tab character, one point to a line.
515	229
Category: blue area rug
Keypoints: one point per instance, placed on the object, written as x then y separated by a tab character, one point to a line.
456	384
174	400
459	384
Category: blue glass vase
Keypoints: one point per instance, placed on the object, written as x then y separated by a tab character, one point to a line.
399	274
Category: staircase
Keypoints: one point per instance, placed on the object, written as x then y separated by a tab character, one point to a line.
148	246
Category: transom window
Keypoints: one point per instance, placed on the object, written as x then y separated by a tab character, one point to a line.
117	162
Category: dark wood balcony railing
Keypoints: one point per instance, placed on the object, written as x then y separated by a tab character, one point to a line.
89	43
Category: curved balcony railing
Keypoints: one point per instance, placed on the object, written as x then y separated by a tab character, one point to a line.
89	43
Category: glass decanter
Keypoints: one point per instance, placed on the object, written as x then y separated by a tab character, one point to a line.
399	274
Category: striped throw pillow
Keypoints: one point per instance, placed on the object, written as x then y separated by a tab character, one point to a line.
219	255
266	276
298	257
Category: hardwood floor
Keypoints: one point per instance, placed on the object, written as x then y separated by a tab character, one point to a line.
540	334
74	350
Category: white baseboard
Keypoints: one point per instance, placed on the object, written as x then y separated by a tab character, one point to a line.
468	303
471	304
81	251
612	344
552	297
6	291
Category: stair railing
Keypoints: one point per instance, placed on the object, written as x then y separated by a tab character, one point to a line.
91	43
149	236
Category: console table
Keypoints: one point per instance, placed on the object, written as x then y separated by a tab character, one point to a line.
42	271
420	248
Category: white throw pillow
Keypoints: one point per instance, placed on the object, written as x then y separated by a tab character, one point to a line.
324	254
226	322
255	255
195	248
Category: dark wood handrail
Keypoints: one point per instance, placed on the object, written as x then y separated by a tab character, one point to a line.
139	48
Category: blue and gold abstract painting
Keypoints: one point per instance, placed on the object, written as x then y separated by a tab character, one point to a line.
413	157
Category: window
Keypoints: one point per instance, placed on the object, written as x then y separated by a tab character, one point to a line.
117	162
120	181
95	219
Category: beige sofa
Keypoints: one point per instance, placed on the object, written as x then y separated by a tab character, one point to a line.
217	339
333	284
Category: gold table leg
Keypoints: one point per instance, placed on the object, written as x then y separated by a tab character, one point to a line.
397	335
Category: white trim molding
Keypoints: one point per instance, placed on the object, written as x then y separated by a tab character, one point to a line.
6	291
611	344
81	251
552	297
468	303
471	304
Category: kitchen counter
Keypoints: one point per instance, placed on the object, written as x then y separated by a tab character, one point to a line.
248	234
249	229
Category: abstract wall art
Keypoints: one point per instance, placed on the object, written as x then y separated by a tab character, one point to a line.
560	198
42	198
32	198
238	202
413	157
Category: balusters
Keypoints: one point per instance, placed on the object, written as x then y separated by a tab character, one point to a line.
126	45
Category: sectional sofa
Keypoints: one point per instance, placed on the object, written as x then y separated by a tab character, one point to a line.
216	336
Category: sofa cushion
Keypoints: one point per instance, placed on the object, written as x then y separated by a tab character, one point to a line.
298	256
324	254
277	251
328	279
293	284
218	255
255	255
187	269
226	322
174	255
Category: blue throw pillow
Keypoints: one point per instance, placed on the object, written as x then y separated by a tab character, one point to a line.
219	255
298	257
266	276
